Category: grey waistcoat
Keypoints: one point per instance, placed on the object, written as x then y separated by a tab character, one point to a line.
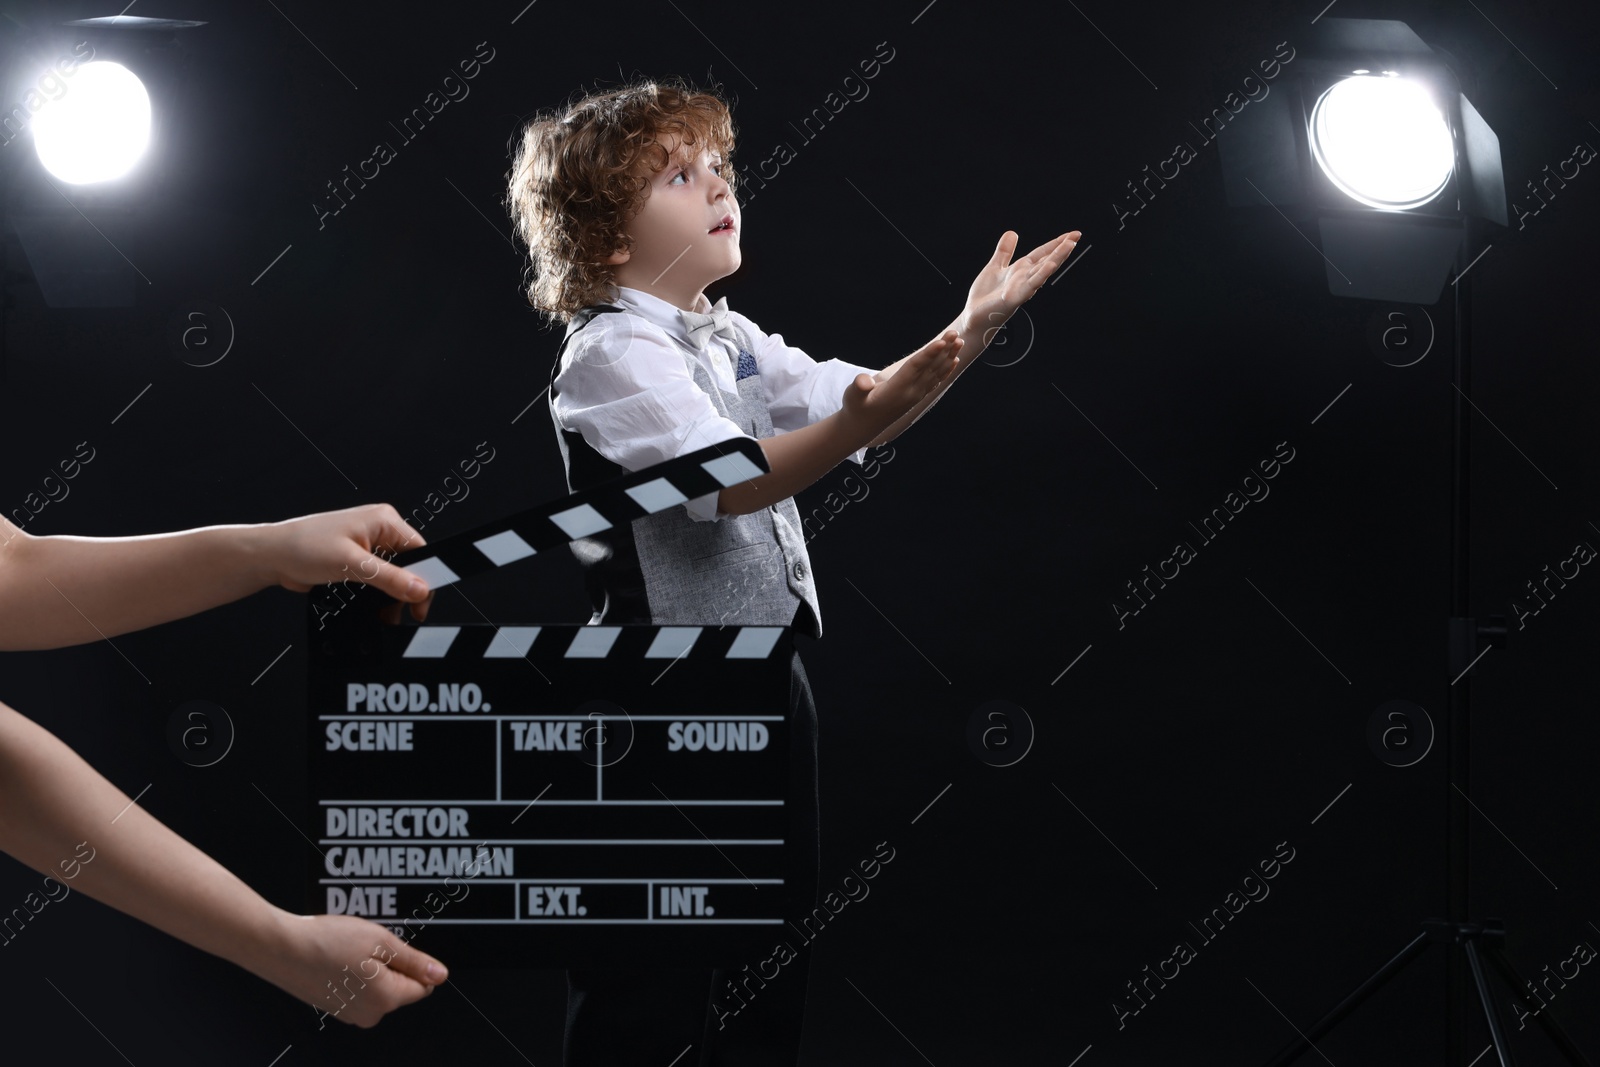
670	569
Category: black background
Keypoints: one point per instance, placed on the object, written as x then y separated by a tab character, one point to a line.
1175	754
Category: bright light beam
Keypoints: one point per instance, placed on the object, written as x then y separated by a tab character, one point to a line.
97	130
1382	141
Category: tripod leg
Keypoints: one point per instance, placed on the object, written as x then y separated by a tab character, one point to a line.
1552	1029
1497	1031
1293	1050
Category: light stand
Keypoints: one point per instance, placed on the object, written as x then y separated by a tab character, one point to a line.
1470	944
1401	248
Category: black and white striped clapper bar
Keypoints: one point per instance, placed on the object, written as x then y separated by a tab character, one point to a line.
539	795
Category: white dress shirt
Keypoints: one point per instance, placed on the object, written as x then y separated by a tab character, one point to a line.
624	385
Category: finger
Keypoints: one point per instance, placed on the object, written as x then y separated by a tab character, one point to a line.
416	964
394	533
932	359
1003	250
419	610
1040	275
386	576
1054	251
929	352
1065	246
1042	251
1052	263
388	537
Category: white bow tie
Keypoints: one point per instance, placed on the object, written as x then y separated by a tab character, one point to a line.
701	327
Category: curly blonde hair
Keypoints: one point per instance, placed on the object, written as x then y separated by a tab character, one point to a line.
579	176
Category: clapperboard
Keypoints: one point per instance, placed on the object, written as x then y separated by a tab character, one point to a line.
539	795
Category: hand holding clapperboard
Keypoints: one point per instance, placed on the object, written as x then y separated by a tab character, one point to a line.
580	795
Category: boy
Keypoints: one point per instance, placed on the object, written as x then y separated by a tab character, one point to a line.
625	200
57	813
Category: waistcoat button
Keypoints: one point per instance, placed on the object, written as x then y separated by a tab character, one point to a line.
800	571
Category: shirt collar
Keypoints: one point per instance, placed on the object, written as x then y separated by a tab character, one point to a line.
661	313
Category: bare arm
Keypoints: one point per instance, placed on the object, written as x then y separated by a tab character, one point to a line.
871	404
999	289
63	819
64	590
973	341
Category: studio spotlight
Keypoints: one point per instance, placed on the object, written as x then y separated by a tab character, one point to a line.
98	130
1382	141
1370	145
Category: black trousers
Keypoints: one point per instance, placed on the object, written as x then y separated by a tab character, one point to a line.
623	1018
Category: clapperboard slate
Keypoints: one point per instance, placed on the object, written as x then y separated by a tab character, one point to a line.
531	795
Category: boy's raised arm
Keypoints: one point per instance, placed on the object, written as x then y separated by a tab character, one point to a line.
879	408
63	590
871	404
1000	288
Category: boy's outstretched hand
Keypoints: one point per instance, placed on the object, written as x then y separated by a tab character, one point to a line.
371	971
1002	286
352	544
877	401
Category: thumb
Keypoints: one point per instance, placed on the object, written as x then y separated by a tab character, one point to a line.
859	388
1003	250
